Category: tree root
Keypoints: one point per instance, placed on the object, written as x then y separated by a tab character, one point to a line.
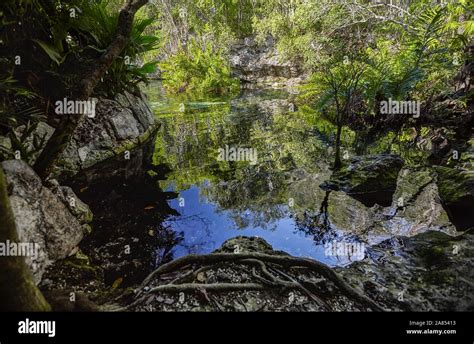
276	281
217	287
287	261
314	297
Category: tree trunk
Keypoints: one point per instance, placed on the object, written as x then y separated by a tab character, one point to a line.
337	158
68	123
18	291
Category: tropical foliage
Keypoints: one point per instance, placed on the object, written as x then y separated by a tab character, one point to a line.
198	71
360	53
196	40
357	53
66	38
48	45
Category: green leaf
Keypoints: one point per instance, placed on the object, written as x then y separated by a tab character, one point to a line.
149	67
52	52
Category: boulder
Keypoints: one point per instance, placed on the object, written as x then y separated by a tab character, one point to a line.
370	179
243	244
119	124
415	208
431	271
33	139
139	107
456	189
54	219
125	125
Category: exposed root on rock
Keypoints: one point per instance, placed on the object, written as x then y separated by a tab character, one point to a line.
273	273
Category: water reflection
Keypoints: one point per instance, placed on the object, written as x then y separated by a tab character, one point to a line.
219	200
199	201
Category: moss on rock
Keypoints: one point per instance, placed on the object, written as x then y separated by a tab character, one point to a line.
456	190
370	179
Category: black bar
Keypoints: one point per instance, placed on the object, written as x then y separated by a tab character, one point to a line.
202	327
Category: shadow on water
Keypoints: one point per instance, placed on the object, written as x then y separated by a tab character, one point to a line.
128	238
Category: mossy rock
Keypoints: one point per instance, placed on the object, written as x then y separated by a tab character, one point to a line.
370	179
244	244
456	190
411	182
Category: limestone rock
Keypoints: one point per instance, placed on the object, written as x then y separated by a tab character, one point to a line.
119	124
255	63
42	218
370	179
456	189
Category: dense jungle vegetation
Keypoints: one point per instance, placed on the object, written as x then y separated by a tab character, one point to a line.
352	60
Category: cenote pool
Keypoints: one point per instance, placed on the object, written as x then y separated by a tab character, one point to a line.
176	195
277	199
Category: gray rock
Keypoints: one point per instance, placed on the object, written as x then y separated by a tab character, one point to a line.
83	152
42	218
415	208
261	64
370	179
141	111
125	125
118	123
456	189
410	183
431	271
121	99
243	244
96	155
78	208
35	141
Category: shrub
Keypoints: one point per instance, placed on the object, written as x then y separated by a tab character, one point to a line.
201	71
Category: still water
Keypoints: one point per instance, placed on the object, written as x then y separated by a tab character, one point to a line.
269	189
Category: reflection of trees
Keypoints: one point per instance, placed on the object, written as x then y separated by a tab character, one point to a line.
317	225
205	237
166	239
290	146
263	218
253	194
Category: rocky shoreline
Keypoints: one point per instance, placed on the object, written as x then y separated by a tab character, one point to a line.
412	219
52	215
412	236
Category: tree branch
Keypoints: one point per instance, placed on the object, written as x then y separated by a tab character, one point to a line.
68	123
